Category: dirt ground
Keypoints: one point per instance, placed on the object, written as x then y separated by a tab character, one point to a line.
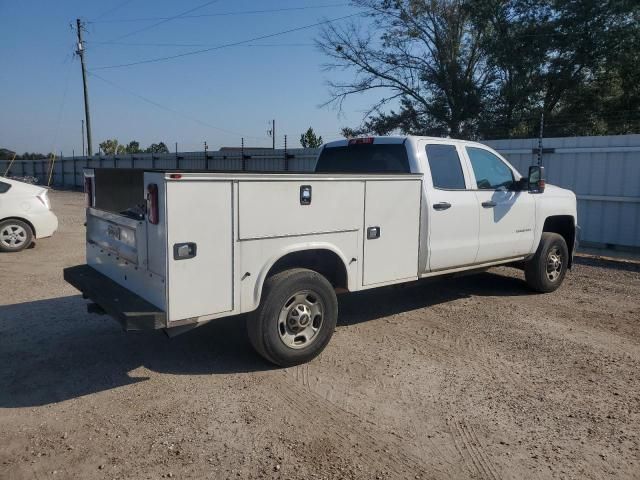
473	377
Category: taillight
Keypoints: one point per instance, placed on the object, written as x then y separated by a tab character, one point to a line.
44	199
153	214
88	191
361	141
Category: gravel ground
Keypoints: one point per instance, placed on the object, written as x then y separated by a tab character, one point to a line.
474	377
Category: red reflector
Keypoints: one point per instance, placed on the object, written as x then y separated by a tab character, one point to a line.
361	141
176	176
153	214
88	191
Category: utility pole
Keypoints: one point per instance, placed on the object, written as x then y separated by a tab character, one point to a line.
272	132
540	138
244	163
82	137
80	52
286	156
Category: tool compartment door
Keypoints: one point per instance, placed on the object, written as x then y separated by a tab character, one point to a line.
199	214
391	231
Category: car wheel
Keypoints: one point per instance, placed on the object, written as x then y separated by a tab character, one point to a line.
546	270
15	235
296	317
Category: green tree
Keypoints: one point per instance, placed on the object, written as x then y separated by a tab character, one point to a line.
489	68
109	146
113	147
310	140
133	147
157	148
426	54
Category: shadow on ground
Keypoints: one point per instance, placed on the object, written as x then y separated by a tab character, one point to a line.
52	350
631	266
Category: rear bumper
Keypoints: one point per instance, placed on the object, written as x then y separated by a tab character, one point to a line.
132	311
45	223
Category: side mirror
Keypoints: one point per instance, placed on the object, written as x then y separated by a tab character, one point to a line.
537	179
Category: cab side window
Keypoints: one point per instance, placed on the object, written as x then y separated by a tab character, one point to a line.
446	170
4	187
490	171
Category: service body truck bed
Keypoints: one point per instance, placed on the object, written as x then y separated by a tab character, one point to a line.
174	250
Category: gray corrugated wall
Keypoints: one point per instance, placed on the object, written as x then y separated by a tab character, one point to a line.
603	171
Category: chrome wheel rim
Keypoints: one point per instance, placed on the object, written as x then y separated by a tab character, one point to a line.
554	264
301	319
13	236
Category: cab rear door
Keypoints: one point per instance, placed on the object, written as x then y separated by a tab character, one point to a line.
451	210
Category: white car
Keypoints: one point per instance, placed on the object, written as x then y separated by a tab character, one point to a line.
25	214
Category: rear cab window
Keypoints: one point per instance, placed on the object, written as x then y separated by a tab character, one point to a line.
364	158
445	166
4	187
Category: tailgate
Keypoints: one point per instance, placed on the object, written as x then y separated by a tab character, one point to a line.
123	236
117	248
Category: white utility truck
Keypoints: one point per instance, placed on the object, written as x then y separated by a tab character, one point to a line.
176	249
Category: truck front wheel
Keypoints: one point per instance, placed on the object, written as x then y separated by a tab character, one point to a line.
296	317
546	270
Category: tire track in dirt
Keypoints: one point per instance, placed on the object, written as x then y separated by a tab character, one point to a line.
348	430
471	450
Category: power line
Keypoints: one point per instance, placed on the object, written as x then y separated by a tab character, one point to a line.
223	14
168	19
226	45
163	107
184	45
117	7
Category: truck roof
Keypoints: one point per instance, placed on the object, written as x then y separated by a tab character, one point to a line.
391	139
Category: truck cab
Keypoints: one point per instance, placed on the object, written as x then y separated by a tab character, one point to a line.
477	209
177	249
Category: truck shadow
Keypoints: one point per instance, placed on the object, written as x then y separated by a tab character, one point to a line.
372	304
52	350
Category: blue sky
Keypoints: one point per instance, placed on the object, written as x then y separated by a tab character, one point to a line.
237	89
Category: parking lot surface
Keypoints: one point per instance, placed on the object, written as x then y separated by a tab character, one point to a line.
472	377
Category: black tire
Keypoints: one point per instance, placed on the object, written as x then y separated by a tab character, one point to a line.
15	235
290	301
545	271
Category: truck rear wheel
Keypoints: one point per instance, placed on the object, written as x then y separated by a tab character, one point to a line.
546	270
296	317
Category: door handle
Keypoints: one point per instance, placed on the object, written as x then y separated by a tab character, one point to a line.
489	204
441	206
